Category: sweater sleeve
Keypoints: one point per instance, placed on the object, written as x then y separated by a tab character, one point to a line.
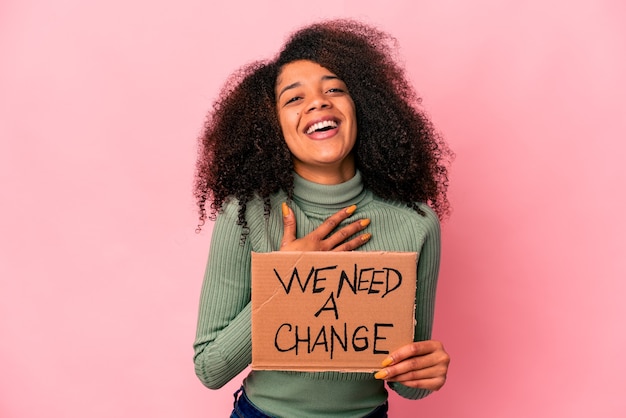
427	274
223	346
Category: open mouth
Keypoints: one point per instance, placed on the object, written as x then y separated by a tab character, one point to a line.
322	126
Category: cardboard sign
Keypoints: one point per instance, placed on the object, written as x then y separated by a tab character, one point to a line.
345	311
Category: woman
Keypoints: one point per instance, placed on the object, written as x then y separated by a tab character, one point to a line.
294	151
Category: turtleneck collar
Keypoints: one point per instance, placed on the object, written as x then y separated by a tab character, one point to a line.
312	196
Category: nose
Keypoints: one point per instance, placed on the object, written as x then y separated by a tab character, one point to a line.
318	101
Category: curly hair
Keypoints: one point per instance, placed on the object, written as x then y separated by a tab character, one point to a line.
242	153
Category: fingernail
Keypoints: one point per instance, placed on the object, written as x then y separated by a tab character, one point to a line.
285	209
386	362
351	209
381	374
365	222
366	237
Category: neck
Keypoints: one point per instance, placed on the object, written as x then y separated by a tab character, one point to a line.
327	175
314	197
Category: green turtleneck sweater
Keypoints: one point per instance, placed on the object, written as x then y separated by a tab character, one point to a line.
223	341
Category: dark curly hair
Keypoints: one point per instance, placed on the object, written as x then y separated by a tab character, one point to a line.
242	153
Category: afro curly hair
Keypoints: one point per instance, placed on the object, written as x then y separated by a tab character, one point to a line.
242	153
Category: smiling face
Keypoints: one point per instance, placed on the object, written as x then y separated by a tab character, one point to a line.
318	121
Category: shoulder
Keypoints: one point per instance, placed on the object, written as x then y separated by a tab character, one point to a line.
258	221
427	219
228	219
255	207
396	226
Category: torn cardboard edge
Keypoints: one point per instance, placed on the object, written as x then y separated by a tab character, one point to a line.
331	311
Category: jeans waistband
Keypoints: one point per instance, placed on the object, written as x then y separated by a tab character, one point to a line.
244	408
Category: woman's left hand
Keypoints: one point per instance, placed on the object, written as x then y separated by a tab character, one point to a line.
422	364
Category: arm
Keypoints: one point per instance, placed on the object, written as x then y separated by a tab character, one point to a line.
414	370
223	344
222	348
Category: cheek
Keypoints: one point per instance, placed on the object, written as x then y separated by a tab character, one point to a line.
288	122
349	110
281	122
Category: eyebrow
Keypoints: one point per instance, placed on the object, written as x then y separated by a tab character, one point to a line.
298	84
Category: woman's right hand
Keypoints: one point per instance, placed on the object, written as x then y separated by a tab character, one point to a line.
322	238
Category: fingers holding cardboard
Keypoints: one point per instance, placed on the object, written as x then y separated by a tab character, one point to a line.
422	364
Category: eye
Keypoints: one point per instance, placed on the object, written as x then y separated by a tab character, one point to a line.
292	100
336	90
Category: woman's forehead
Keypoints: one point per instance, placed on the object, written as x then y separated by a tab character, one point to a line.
302	69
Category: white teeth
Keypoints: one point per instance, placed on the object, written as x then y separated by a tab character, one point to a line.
321	125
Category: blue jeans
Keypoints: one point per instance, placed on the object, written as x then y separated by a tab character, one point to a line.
243	408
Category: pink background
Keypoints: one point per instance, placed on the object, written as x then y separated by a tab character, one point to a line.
100	268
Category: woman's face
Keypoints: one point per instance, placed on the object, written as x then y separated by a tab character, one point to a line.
318	121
